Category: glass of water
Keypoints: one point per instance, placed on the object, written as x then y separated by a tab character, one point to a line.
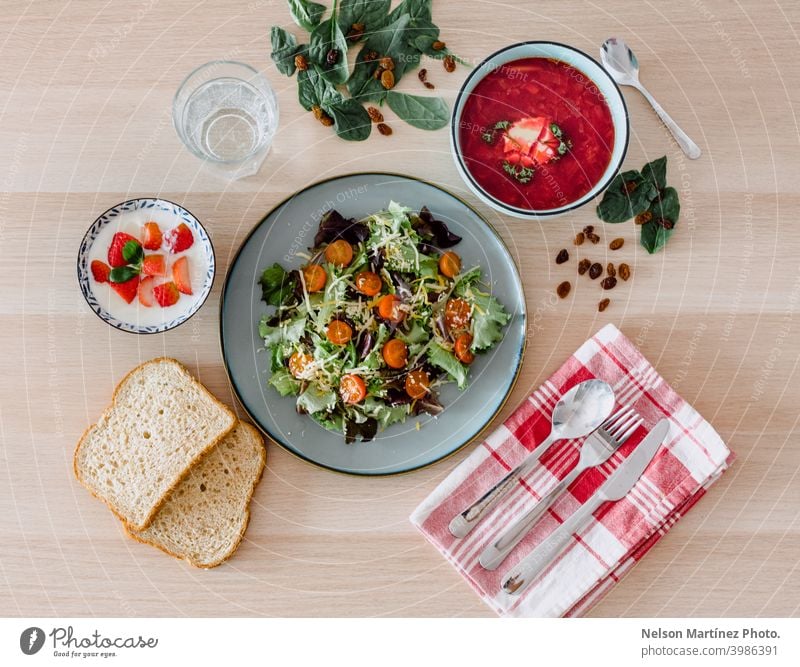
226	113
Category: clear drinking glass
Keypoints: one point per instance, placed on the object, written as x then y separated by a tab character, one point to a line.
226	113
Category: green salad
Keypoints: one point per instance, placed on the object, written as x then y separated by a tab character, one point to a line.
381	315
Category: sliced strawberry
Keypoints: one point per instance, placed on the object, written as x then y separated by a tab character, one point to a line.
166	294
154	265
115	257
179	238
128	289
100	271
151	236
542	153
145	291
180	274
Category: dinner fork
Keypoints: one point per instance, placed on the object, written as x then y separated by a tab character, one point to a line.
597	449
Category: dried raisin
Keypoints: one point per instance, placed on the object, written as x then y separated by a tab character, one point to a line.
375	115
609	282
610	270
624	271
563	289
438	45
595	270
603	305
300	62
387	79
583	266
449	64
562	256
594	238
580	237
384	129
616	244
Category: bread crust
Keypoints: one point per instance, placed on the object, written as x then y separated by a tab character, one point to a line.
160	503
256	434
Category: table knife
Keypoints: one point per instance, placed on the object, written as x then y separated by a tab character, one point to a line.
614	488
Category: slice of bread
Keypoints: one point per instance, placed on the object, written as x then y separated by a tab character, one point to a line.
205	517
160	422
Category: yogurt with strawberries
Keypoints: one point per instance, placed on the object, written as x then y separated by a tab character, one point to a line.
148	266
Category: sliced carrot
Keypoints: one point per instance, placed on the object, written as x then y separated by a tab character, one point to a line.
389	308
315	277
340	253
339	333
450	264
462	348
368	283
417	384
395	353
352	388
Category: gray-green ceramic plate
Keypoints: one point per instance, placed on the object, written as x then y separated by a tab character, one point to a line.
288	229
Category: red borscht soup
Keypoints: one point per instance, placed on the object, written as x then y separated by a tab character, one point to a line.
536	134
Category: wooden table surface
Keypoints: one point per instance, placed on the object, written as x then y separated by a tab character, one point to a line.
85	123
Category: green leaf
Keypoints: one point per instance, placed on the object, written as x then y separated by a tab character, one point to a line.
666	206
426	113
290	331
284	382
312	88
373	14
656	172
414	9
326	36
277	286
391	42
418	334
132	252
488	319
284	49
384	413
447	361
351	120
619	205
313	400
122	274
306	14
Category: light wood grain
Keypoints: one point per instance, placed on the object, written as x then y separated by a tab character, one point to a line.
84	124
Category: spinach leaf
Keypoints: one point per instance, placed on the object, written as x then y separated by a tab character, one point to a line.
426	113
312	89
328	49
306	14
414	9
656	172
351	120
391	42
372	14
628	195
665	210
284	49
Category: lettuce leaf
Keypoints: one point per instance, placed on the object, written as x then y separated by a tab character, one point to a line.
447	361
283	381
286	332
313	400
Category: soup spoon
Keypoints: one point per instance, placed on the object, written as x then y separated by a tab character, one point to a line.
621	63
579	412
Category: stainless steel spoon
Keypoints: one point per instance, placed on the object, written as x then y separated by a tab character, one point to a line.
621	64
579	412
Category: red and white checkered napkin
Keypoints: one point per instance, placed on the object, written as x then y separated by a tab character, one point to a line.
692	457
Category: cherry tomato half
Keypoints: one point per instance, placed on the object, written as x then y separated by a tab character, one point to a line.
417	384
368	283
457	314
352	388
389	308
315	277
339	333
298	363
449	264
340	253
462	349
395	353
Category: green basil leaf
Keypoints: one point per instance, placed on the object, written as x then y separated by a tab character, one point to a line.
328	36
122	274
426	113
656	172
666	206
306	14
132	252
372	14
351	120
284	49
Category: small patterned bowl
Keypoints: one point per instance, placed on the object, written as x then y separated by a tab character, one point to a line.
165	213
